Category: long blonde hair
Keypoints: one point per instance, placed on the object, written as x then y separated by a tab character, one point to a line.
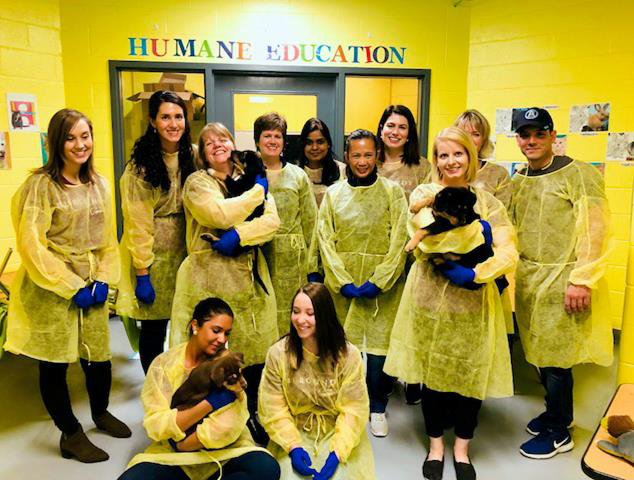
478	122
461	137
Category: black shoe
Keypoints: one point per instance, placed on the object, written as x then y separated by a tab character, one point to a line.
77	445
412	393
432	469
464	471
257	431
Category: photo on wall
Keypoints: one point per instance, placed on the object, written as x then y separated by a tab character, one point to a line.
620	147
590	118
22	110
5	151
503	119
560	144
44	147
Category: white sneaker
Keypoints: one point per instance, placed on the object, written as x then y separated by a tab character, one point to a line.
378	424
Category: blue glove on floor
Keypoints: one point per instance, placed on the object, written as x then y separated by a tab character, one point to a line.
349	291
220	398
228	242
301	462
457	274
100	292
486	231
144	290
328	470
316	277
260	180
369	290
83	298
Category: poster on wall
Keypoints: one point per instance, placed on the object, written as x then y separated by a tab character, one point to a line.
44	147
5	151
590	118
560	144
22	110
599	166
503	119
620	147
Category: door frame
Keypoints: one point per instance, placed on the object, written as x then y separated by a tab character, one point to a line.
115	67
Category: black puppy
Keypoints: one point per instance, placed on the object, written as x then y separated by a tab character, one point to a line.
248	165
453	207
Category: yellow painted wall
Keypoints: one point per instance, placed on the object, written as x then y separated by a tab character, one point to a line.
550	57
30	62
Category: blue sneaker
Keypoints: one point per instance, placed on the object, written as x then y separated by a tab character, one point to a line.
537	425
547	444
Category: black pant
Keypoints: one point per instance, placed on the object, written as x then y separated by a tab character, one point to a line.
449	408
253	374
250	466
379	383
558	384
151	341
56	398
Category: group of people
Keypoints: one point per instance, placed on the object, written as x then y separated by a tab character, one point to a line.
303	273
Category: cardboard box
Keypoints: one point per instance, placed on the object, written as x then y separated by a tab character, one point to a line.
174	82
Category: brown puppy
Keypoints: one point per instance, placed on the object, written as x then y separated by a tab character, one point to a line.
222	371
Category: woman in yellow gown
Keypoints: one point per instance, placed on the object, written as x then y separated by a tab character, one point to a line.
313	399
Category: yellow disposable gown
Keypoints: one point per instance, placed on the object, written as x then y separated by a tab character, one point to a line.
288	253
450	338
362	233
153	236
66	239
407	176
320	408
206	273
223	430
562	221
496	180
319	189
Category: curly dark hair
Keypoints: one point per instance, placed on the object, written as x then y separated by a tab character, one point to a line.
146	153
330	173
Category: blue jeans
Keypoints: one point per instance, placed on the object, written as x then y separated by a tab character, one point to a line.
558	384
250	466
379	383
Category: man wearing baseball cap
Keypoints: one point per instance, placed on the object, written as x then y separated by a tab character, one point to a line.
561	214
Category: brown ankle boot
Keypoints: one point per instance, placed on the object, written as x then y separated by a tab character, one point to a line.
112	425
77	445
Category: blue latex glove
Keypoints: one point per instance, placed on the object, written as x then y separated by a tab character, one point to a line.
369	290
349	291
486	231
100	292
457	274
261	180
316	277
301	462
144	290
228	242
220	398
328	470
83	298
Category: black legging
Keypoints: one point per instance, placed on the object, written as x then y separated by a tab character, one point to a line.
253	375
449	408
151	341
250	466
56	398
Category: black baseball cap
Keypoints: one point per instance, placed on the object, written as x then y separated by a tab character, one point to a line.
532	117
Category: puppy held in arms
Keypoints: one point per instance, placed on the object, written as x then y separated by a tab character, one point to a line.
247	165
451	208
222	371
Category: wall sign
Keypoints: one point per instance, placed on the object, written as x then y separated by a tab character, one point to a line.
277	52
